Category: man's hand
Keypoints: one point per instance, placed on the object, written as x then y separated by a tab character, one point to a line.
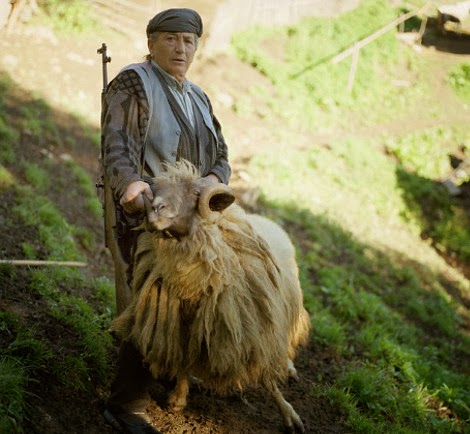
132	200
211	178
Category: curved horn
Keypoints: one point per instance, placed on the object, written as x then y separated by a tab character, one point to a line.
147	204
215	197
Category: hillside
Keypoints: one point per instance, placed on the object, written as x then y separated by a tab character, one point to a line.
56	320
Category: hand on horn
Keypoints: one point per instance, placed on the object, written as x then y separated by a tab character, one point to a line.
132	200
211	179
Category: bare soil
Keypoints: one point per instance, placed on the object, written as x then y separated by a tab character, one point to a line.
62	70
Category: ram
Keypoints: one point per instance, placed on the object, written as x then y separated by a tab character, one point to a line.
216	293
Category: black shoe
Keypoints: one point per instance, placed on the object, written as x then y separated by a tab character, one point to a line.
130	422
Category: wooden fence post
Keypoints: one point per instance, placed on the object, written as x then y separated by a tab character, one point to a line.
353	50
353	69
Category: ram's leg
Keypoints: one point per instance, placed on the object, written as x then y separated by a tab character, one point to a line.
178	398
292	421
291	371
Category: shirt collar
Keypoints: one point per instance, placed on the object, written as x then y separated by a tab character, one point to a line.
172	81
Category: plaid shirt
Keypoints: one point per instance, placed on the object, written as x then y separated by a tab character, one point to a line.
124	122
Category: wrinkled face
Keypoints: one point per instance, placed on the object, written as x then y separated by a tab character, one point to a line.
174	52
174	207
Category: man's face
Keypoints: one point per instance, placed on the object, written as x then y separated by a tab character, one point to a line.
174	52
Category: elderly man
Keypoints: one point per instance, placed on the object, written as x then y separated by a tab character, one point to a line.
152	114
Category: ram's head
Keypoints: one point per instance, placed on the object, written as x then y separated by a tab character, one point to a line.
178	206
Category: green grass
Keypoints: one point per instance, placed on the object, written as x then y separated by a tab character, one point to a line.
369	229
12	394
459	79
57	286
372	224
8	136
87	188
37	176
55	233
390	320
375	290
441	219
29	353
311	92
72	17
436	143
6	178
21	357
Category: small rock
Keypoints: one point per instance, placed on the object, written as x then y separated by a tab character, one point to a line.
451	187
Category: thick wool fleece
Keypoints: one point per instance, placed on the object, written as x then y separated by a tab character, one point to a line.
219	304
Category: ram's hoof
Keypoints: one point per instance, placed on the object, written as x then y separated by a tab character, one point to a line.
176	404
295	425
291	371
175	408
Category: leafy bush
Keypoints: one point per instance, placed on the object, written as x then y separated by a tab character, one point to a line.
426	152
423	158
459	79
69	15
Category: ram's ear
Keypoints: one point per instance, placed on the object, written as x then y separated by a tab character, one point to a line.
220	201
215	198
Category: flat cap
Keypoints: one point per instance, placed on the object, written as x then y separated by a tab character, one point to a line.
176	20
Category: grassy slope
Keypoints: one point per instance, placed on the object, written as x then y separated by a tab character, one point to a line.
53	320
373	231
370	231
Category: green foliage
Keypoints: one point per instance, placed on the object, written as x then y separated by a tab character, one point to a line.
104	290
69	16
84	237
370	387
57	285
351	179
329	331
452	234
72	372
27	347
459	79
29	250
8	138
311	90
6	178
29	353
6	83
21	356
352	210
94	341
55	232
88	188
37	176
12	394
37	118
436	144
354	181
439	217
